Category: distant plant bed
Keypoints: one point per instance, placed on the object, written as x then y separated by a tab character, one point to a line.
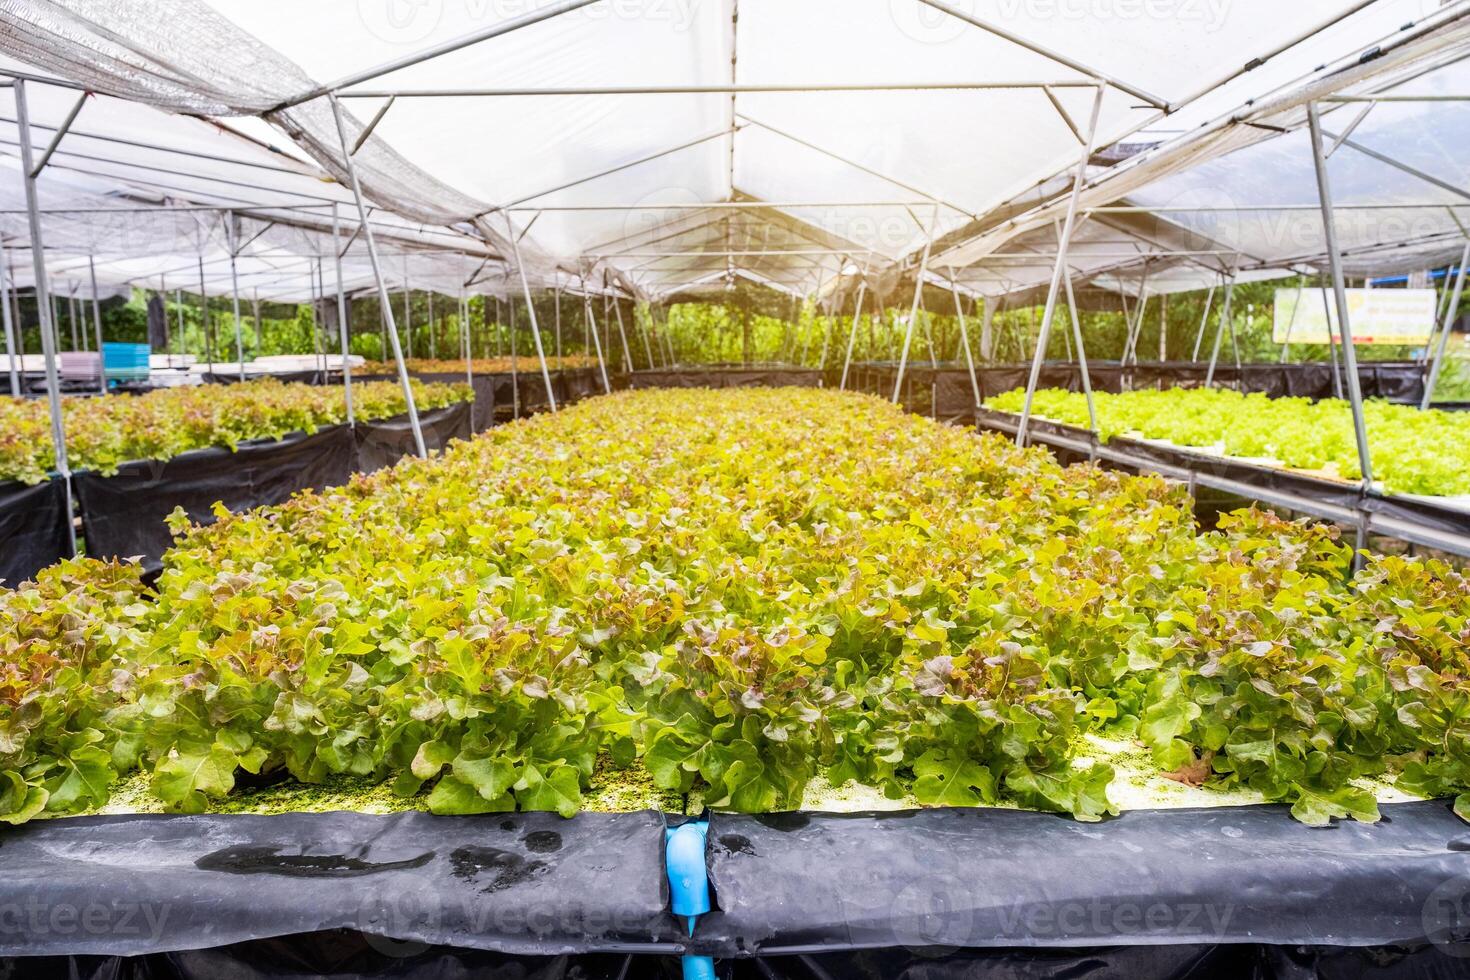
104	432
482	365
1413	451
737	593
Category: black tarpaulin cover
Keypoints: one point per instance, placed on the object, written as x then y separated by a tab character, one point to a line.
349	956
519	883
32	529
382	443
1238	893
802	883
123	514
727	377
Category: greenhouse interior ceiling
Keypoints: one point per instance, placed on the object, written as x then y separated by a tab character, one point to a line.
800	146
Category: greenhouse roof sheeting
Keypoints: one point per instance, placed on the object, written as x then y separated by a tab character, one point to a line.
662	144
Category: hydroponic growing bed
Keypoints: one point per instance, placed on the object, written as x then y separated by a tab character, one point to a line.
1415	452
727	599
742	590
135	459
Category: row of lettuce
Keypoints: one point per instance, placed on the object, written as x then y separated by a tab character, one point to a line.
1413	451
104	432
737	591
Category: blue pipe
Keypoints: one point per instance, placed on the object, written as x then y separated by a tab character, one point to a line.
684	848
1395	280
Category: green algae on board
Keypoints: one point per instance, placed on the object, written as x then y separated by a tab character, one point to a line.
1138	786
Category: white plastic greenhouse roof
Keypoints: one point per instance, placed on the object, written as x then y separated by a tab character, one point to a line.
660	144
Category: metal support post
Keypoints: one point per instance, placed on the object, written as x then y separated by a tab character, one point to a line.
965	338
908	334
531	309
342	315
857	315
1437	361
1063	245
596	337
12	345
1225	314
383	303
43	306
1339	290
1203	320
230	234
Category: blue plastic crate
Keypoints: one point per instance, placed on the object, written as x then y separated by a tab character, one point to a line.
125	362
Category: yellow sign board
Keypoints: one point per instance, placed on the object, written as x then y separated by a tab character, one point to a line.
1377	316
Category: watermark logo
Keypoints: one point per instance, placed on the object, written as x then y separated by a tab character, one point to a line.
929	25
1446	917
410	22
114	919
400	21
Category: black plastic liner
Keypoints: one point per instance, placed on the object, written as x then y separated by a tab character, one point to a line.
505	396
382	443
1120	963
32	529
1237	892
728	377
123	515
340	955
222	375
804	883
352	955
528	884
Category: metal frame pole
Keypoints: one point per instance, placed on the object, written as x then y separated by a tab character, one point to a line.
205	320
1081	355
959	310
1225	315
43	306
596	336
556	294
515	245
622	333
235	295
857	315
182	335
1339	290
1291	324
1331	339
1063	245
11	348
1203	322
908	334
464	331
1444	336
407	308
647	329
79	336
342	316
515	360
383	302
1135	328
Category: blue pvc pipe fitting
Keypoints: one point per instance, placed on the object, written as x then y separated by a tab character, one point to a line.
699	968
684	863
688	875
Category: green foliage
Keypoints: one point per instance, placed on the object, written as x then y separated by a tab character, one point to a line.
1413	451
102	433
741	590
